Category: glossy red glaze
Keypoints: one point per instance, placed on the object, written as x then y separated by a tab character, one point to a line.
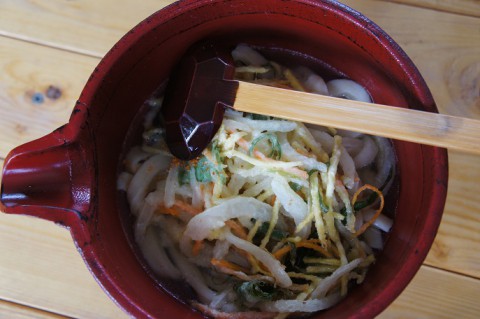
198	93
69	176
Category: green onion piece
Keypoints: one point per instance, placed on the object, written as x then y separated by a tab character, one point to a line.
216	152
259	117
296	187
364	203
323	206
276	152
276	234
183	176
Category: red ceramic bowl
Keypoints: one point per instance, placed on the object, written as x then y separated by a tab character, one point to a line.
69	176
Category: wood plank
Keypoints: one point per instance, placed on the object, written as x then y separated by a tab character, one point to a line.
29	73
90	27
40	267
445	47
17	311
465	7
456	246
438	294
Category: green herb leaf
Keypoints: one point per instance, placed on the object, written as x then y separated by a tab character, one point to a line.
278	235
203	170
256	290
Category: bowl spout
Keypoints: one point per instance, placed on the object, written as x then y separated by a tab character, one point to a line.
41	178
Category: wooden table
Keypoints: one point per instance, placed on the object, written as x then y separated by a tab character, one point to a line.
48	49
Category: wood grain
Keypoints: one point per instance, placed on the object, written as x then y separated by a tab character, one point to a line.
31	73
434	293
456	246
17	311
445	46
90	27
43	264
441	130
465	7
41	268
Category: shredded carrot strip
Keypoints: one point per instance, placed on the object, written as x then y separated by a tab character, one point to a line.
330	248
243	144
272	200
303	152
282	252
256	265
197	247
377	212
226	264
240	231
296	171
334	250
315	247
260	155
237	229
187	207
305	244
175	162
167	210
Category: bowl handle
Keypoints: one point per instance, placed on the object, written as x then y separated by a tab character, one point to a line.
48	178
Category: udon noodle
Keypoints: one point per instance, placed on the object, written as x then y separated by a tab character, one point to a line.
275	217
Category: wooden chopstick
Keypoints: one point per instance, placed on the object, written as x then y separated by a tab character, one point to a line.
434	129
